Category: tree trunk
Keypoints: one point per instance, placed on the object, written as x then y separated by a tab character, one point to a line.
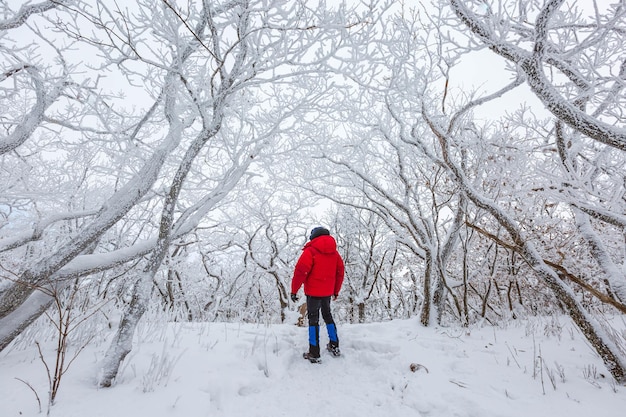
361	310
121	345
426	310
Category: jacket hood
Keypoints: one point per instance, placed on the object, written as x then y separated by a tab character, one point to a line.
324	244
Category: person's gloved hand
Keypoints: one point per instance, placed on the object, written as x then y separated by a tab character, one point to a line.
294	297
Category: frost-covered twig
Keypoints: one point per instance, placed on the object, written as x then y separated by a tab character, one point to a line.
33	390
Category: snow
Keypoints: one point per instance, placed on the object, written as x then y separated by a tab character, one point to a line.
236	369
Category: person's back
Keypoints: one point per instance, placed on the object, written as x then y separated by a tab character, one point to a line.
318	267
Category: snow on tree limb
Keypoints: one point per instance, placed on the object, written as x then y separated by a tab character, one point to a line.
532	65
20	239
614	276
601	214
44	99
26	10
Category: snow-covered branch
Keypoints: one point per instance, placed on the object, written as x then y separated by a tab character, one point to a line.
18	240
28	9
532	64
45	97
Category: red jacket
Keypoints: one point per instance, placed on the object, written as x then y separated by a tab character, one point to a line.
320	268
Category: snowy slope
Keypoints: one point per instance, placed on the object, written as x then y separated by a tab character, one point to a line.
234	370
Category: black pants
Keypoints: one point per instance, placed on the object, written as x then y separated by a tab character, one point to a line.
313	306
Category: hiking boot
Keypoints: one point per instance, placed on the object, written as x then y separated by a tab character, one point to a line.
333	349
313	359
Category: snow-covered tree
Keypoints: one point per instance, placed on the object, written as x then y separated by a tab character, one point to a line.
204	67
570	63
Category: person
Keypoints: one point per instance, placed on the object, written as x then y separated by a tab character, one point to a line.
321	269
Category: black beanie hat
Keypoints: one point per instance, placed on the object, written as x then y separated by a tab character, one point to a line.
318	231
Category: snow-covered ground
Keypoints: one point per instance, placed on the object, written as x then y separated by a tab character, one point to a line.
540	367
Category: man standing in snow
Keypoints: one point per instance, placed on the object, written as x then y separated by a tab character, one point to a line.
320	268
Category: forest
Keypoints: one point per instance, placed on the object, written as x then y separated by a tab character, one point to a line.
168	159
